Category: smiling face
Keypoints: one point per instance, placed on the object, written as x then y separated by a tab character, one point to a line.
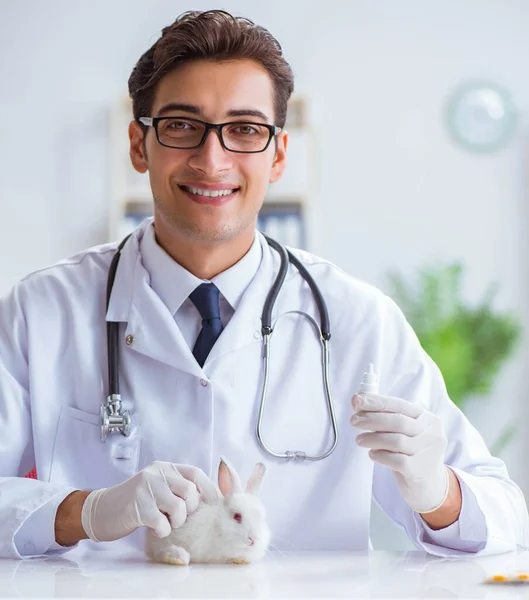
186	182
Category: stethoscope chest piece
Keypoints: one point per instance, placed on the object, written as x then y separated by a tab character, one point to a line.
113	419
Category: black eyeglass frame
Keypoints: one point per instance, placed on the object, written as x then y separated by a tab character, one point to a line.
218	127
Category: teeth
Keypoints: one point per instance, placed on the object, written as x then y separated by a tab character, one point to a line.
209	193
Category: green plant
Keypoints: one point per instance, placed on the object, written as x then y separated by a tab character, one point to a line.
468	343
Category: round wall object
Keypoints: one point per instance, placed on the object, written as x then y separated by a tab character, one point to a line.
481	116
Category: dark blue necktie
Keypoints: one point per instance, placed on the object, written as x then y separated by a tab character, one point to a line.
206	299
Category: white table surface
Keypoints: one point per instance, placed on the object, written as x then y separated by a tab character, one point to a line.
103	574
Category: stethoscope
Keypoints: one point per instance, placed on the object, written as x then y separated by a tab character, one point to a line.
116	420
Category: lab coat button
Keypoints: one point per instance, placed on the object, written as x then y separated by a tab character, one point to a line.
257	334
129	340
203	382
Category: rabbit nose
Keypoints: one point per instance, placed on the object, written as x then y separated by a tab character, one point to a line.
252	541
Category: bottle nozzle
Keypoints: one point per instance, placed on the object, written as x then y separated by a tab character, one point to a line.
370	380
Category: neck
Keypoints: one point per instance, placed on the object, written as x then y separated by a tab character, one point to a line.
203	259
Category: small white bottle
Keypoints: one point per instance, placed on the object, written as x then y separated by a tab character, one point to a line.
369	382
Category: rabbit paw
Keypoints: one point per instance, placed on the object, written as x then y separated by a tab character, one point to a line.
240	561
175	556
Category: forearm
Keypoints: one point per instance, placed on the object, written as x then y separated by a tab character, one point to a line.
27	515
449	512
68	527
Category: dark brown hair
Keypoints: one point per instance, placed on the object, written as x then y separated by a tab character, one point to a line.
210	35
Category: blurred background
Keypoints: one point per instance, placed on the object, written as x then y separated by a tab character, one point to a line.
408	166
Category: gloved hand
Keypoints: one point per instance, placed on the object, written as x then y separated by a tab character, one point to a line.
162	487
409	440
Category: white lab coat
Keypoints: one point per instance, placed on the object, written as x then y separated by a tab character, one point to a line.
53	378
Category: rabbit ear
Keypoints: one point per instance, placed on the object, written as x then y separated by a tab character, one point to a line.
229	482
254	482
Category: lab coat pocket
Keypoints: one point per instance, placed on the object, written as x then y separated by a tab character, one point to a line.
81	460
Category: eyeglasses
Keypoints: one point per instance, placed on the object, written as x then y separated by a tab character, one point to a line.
237	136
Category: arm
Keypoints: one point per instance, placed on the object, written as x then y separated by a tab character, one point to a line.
40	518
27	506
492	516
68	527
449	512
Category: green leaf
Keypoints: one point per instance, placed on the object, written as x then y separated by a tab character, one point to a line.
468	343
452	352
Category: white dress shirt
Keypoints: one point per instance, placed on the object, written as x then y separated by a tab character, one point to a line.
174	284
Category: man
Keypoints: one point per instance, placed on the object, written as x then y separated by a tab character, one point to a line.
209	102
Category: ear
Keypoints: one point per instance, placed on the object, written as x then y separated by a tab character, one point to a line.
254	482
229	482
137	151
280	158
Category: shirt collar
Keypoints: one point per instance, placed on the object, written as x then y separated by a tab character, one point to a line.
173	283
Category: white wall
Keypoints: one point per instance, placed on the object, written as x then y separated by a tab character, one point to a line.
392	190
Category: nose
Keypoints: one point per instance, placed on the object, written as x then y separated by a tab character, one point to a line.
252	540
211	158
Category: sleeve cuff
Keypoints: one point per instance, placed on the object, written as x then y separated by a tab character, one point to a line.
454	539
36	536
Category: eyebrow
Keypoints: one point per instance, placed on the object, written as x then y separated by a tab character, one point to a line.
195	110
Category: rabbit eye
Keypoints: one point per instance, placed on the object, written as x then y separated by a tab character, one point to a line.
237	517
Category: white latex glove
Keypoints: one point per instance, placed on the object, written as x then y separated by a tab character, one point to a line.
409	440
160	497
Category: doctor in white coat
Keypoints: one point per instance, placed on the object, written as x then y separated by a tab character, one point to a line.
192	379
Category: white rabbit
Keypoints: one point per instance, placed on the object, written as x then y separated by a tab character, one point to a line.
234	529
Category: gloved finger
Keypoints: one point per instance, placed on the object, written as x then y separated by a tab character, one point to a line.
391	442
393	460
386	422
157	522
174	507
378	403
183	488
204	485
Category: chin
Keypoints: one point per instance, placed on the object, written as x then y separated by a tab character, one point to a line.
206	230
197	232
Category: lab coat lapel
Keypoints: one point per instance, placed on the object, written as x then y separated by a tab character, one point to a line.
244	327
153	329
